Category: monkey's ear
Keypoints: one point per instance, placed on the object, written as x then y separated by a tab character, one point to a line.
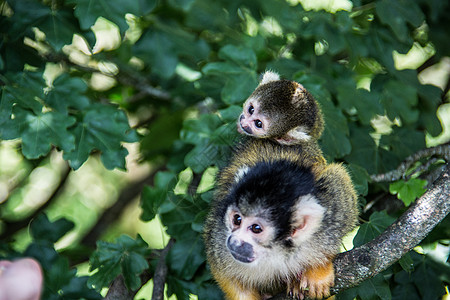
308	217
294	136
300	96
269	76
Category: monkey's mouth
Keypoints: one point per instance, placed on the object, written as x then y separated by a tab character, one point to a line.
242	258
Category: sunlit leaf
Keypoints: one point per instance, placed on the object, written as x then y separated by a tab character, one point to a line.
408	191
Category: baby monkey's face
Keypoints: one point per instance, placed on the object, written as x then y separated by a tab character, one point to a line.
253	121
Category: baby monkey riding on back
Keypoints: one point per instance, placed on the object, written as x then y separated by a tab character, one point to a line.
280	211
281	110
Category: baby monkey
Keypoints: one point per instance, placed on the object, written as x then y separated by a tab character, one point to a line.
276	222
281	110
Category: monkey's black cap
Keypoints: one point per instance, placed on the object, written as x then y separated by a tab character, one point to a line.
272	187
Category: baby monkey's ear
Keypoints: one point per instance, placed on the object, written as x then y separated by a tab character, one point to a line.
269	76
294	136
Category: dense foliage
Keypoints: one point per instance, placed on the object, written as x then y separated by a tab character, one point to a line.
181	69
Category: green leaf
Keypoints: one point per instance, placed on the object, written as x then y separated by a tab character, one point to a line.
102	128
374	288
360	178
406	263
429	101
186	256
397	13
61	283
405	291
180	217
42	229
67	92
8	130
27	13
59	27
87	11
399	100
77	288
377	223
334	140
239	55
158	50
238	71
408	191
151	200
162	133
367	154
41	130
366	103
427	281
154	198
403	141
25	87
126	256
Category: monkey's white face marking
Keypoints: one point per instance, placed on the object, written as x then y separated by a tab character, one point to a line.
248	236
269	76
252	122
241	173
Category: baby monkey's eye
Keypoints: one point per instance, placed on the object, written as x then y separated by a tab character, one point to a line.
237	219
258	124
251	109
255	228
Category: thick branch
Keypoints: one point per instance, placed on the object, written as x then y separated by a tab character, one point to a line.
359	264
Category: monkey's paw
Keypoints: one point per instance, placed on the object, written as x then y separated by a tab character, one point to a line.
314	282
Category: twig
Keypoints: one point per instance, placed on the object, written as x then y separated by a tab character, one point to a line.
159	278
125	76
442	151
111	214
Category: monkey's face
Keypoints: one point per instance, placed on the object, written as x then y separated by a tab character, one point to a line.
252	121
249	236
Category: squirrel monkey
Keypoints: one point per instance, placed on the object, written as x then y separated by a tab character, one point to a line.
281	110
277	221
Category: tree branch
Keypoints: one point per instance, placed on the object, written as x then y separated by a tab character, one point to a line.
361	263
159	278
112	213
125	77
356	265
119	291
441	151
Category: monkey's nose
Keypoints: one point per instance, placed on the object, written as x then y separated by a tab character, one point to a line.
241	250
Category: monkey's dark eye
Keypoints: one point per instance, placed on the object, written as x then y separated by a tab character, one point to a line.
255	228
251	109
258	124
237	219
